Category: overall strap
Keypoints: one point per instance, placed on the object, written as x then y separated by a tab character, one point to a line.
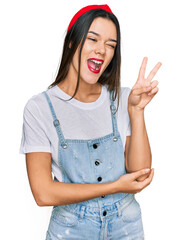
113	111
56	122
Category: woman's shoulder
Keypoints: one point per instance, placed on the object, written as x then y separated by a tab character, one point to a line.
37	102
33	101
122	90
124	94
125	90
123	98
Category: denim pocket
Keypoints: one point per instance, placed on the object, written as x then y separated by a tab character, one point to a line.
132	212
63	217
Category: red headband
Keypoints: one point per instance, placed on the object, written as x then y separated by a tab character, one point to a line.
86	9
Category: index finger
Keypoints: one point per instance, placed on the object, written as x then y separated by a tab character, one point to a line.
143	68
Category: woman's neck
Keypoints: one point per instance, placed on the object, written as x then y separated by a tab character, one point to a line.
85	93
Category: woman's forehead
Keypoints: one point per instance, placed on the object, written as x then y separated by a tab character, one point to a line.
103	27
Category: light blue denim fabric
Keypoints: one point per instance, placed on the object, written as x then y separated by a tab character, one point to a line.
111	217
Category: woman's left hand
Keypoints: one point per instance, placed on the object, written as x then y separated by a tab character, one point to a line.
144	90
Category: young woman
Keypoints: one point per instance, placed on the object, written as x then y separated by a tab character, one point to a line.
99	154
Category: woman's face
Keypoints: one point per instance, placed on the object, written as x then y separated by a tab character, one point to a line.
97	52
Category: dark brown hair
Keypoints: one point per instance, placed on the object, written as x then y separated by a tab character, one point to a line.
76	36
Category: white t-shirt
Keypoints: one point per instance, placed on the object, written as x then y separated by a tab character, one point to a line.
78	120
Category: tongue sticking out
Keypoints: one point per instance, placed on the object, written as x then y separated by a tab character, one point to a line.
93	65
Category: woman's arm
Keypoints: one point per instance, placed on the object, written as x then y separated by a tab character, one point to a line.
47	192
138	154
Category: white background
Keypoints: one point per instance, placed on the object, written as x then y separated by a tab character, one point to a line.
32	34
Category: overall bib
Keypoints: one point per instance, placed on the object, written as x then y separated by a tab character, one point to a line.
115	216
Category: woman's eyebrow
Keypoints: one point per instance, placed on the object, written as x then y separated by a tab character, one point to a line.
97	34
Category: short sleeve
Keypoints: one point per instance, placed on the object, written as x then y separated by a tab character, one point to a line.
34	137
128	131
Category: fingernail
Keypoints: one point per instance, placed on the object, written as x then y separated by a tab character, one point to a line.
147	170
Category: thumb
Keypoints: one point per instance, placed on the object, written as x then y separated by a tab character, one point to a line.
139	173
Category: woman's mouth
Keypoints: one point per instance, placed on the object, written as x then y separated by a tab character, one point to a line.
94	64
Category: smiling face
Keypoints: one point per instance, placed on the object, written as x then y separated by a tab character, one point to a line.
97	52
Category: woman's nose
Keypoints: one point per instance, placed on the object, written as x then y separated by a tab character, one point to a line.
100	48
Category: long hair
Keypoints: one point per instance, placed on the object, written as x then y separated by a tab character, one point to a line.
76	35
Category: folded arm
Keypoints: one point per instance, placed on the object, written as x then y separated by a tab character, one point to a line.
48	192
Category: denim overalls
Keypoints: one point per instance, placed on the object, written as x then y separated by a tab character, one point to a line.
115	216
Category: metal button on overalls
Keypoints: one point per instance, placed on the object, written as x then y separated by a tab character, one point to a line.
115	139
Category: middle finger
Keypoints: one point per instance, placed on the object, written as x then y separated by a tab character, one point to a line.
154	71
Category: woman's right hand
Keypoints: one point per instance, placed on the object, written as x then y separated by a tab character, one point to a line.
128	183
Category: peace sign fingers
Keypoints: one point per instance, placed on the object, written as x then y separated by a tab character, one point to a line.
146	88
